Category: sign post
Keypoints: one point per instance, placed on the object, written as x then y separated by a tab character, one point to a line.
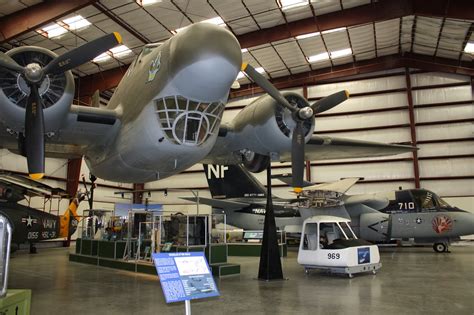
184	277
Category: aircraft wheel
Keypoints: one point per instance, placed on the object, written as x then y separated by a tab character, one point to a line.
306	271
440	247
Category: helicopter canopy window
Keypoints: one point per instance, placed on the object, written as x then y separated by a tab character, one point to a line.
310	241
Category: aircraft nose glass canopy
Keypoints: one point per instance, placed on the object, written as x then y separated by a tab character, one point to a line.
186	121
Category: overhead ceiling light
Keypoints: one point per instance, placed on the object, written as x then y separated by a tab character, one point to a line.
334	30
318	57
291	4
242	75
102	57
216	21
308	35
469	48
244	50
117	52
52	30
144	3
341	53
120	51
76	22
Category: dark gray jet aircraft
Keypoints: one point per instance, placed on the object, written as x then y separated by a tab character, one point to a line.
165	114
379	217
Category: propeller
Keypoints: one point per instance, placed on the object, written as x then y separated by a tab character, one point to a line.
34	74
299	115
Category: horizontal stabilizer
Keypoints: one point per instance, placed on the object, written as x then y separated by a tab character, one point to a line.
217	203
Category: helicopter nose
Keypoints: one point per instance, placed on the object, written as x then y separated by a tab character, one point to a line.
205	61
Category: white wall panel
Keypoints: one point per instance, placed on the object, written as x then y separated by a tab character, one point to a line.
445	148
447	167
14	162
392	135
464	187
435	78
179	181
361	120
442	95
368	102
447	131
444	113
368	188
360	86
371	171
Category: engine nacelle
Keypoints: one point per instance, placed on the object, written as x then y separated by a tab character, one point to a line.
56	91
267	127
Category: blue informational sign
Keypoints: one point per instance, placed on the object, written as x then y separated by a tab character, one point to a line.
363	255
184	276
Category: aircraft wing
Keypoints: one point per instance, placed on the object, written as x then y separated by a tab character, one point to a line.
219	203
340	186
326	148
29	187
84	126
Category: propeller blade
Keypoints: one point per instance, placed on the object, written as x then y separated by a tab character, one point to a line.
267	86
82	54
330	101
34	134
297	156
8	63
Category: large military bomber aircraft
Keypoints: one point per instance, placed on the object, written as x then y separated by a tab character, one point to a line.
165	114
410	213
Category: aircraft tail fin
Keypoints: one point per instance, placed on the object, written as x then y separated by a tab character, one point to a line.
232	181
70	219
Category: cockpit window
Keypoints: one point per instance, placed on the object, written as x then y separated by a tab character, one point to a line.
442	203
424	199
187	121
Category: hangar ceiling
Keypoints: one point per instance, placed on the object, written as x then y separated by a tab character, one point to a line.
315	37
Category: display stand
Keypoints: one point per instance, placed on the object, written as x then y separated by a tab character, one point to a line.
187	307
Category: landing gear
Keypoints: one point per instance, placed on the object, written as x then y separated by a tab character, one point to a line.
441	247
33	249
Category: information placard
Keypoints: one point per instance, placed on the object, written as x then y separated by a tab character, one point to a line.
184	276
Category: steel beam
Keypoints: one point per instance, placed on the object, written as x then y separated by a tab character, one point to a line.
376	11
73	174
32	18
411	115
102	81
367	66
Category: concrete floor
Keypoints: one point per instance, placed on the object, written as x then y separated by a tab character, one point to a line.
411	281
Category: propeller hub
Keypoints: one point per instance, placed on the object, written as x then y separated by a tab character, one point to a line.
305	113
33	73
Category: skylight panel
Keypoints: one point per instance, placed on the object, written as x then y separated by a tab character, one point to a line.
341	53
145	3
52	30
291	4
469	48
216	21
308	35
116	52
318	57
76	22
